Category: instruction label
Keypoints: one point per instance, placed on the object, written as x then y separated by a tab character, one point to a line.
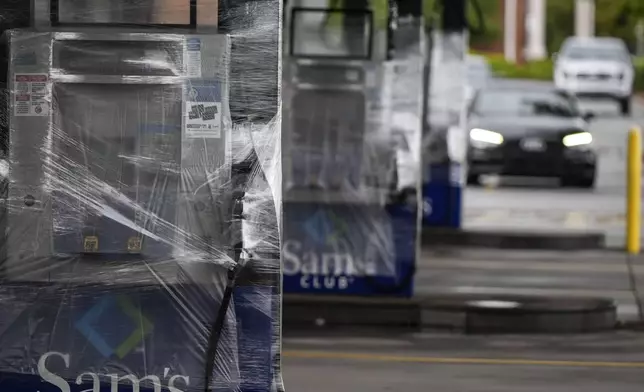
30	95
203	119
202	111
193	57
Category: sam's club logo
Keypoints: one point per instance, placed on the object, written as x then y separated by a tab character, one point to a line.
114	326
325	252
325	228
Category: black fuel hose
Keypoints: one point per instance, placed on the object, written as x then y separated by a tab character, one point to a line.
218	326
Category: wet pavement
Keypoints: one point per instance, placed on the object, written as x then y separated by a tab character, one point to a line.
445	362
561	274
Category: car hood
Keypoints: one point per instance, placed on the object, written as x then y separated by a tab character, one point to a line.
593	66
529	126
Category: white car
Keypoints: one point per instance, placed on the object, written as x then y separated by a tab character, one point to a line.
598	67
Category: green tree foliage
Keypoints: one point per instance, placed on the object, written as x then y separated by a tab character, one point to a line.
482	32
489	30
378	7
431	12
560	22
618	18
614	18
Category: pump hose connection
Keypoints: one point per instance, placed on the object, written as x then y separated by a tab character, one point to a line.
241	172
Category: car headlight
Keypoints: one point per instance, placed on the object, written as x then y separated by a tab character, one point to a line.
577	139
483	137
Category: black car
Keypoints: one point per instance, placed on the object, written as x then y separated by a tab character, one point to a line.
536	132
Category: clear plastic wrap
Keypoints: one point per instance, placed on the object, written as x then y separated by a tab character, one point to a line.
351	173
445	139
142	197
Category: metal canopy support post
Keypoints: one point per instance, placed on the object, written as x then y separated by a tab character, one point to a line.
584	18
536	29
514	30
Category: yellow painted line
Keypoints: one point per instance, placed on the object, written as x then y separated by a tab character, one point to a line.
305	354
576	220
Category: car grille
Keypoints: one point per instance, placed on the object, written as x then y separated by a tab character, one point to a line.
513	148
512	159
587	76
516	160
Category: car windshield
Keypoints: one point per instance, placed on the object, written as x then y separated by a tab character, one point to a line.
595	53
524	103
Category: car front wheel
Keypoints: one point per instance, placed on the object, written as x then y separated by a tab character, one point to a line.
625	106
473	180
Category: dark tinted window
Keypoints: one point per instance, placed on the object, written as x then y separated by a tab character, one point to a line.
524	103
599	52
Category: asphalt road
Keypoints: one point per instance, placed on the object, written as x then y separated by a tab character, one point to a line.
542	206
446	363
561	274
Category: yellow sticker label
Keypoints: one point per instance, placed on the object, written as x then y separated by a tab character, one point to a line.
90	244
134	244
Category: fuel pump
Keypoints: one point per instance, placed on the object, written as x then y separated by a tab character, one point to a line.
444	140
124	261
344	231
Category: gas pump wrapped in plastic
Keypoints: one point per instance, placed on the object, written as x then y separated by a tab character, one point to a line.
142	196
444	136
347	229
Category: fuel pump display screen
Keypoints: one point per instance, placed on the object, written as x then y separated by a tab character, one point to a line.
324	33
117	153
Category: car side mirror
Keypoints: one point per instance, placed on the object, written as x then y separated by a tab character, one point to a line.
588	116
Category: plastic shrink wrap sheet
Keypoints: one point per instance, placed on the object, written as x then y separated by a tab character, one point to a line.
350	159
141	197
445	138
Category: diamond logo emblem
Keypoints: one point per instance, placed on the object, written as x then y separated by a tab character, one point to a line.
325	228
119	310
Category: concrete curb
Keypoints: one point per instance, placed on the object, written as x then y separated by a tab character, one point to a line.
519	314
460	313
308	311
513	240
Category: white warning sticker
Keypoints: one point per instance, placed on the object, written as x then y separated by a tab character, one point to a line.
192	57
203	119
30	93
